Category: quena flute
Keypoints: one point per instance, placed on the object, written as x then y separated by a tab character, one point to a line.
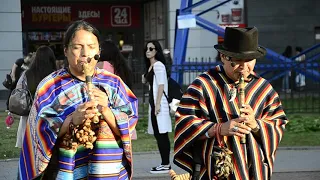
86	71
85	134
241	101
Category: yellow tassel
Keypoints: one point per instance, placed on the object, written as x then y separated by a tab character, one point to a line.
175	176
172	174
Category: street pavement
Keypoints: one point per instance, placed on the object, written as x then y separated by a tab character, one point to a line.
293	163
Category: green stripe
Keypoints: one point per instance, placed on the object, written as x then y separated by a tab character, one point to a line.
69	152
107	144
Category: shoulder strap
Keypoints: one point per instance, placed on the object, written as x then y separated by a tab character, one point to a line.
25	86
166	96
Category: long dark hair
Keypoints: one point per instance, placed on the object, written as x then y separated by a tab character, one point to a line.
287	52
159	55
43	64
298	48
76	26
111	53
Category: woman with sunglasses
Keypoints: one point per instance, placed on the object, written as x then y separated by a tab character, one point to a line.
159	120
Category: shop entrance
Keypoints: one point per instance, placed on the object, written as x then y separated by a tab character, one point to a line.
53	39
129	42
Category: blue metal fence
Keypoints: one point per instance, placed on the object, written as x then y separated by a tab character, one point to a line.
296	100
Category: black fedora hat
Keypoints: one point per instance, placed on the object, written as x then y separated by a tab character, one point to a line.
241	43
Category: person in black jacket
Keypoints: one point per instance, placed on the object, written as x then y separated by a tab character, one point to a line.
18	67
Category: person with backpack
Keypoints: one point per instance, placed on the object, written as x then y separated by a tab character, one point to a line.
159	120
43	64
18	67
21	65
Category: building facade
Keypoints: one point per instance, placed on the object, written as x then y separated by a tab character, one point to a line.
285	22
10	37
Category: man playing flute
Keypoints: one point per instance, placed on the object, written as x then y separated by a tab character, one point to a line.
209	114
64	102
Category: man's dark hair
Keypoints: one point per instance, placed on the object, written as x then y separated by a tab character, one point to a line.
76	26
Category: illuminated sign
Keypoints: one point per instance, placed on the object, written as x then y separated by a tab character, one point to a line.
51	14
120	16
58	17
89	14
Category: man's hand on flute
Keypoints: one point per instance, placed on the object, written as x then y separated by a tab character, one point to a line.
102	101
235	127
247	112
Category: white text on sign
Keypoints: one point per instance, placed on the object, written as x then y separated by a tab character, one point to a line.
121	16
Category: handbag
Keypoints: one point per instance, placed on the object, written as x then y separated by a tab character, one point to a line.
7	82
174	95
20	101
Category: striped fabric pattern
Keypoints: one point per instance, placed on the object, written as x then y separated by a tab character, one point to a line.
58	95
206	102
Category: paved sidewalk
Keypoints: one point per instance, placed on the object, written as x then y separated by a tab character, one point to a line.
289	161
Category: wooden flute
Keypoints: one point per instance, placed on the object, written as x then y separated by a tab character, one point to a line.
86	70
241	100
83	134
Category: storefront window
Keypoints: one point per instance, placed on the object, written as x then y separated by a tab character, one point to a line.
154	18
45	36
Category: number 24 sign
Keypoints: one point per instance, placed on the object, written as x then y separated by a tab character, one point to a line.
120	16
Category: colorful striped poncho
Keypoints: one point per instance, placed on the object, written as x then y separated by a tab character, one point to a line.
206	102
57	96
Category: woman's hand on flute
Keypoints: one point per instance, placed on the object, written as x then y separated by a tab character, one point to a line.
235	127
247	112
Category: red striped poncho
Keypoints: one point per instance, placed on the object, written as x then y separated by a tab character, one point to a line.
206	102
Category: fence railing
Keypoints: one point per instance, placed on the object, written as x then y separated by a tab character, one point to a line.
295	100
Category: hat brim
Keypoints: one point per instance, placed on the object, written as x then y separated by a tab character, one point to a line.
260	52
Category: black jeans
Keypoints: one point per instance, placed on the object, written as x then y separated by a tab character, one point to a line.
162	139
